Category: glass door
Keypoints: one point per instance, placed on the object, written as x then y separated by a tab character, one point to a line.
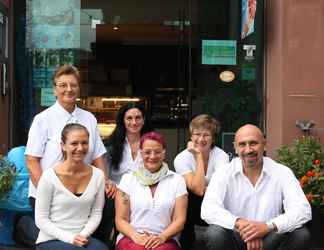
180	57
227	64
138	49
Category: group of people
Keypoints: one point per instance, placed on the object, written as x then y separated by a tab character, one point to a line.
77	183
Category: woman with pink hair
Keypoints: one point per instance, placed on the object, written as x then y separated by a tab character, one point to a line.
151	202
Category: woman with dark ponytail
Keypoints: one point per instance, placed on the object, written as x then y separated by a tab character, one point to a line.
123	144
122	156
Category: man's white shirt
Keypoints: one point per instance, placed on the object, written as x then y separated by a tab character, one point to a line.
276	197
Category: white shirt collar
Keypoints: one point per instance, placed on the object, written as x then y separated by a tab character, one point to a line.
238	166
70	117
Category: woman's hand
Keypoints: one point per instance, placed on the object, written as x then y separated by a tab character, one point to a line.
80	240
140	239
192	149
110	189
154	241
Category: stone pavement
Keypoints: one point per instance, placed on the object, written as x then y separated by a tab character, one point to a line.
199	245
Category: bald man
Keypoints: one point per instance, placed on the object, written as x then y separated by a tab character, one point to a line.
254	202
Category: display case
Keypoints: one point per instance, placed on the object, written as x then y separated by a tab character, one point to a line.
105	110
170	105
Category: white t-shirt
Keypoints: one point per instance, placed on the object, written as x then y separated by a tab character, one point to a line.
60	214
185	162
44	136
276	197
126	165
152	214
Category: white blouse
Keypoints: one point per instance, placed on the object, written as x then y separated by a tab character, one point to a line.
60	214
150	214
126	165
185	162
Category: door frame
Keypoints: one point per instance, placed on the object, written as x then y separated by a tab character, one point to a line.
6	90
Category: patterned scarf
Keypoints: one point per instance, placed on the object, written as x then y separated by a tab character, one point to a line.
147	178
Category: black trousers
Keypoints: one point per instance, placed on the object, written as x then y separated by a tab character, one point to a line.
107	224
188	235
219	238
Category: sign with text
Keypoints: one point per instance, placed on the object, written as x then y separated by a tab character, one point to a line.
218	52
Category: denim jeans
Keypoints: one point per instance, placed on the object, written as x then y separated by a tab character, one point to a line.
26	231
220	238
94	244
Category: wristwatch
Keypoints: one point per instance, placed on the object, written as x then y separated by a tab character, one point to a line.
270	226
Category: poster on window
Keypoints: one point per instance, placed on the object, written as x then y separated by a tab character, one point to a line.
248	17
54	24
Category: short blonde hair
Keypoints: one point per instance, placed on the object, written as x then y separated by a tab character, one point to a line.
207	122
66	70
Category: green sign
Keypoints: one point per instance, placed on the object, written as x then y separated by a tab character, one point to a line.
218	52
248	73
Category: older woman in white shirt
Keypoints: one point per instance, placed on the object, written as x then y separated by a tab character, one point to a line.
197	164
70	197
43	146
151	202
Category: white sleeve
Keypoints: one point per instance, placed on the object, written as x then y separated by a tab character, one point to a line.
124	184
99	147
224	157
213	210
44	196
296	207
183	163
37	138
96	210
181	187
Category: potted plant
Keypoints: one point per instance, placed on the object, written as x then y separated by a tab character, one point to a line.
305	157
7	176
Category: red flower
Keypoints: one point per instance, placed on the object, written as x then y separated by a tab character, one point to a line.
316	162
303	181
310	173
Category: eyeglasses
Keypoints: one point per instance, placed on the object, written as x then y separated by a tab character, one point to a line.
147	153
203	135
65	85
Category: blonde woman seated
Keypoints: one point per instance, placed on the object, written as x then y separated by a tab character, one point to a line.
197	164
70	197
151	202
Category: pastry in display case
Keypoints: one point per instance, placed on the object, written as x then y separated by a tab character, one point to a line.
105	109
